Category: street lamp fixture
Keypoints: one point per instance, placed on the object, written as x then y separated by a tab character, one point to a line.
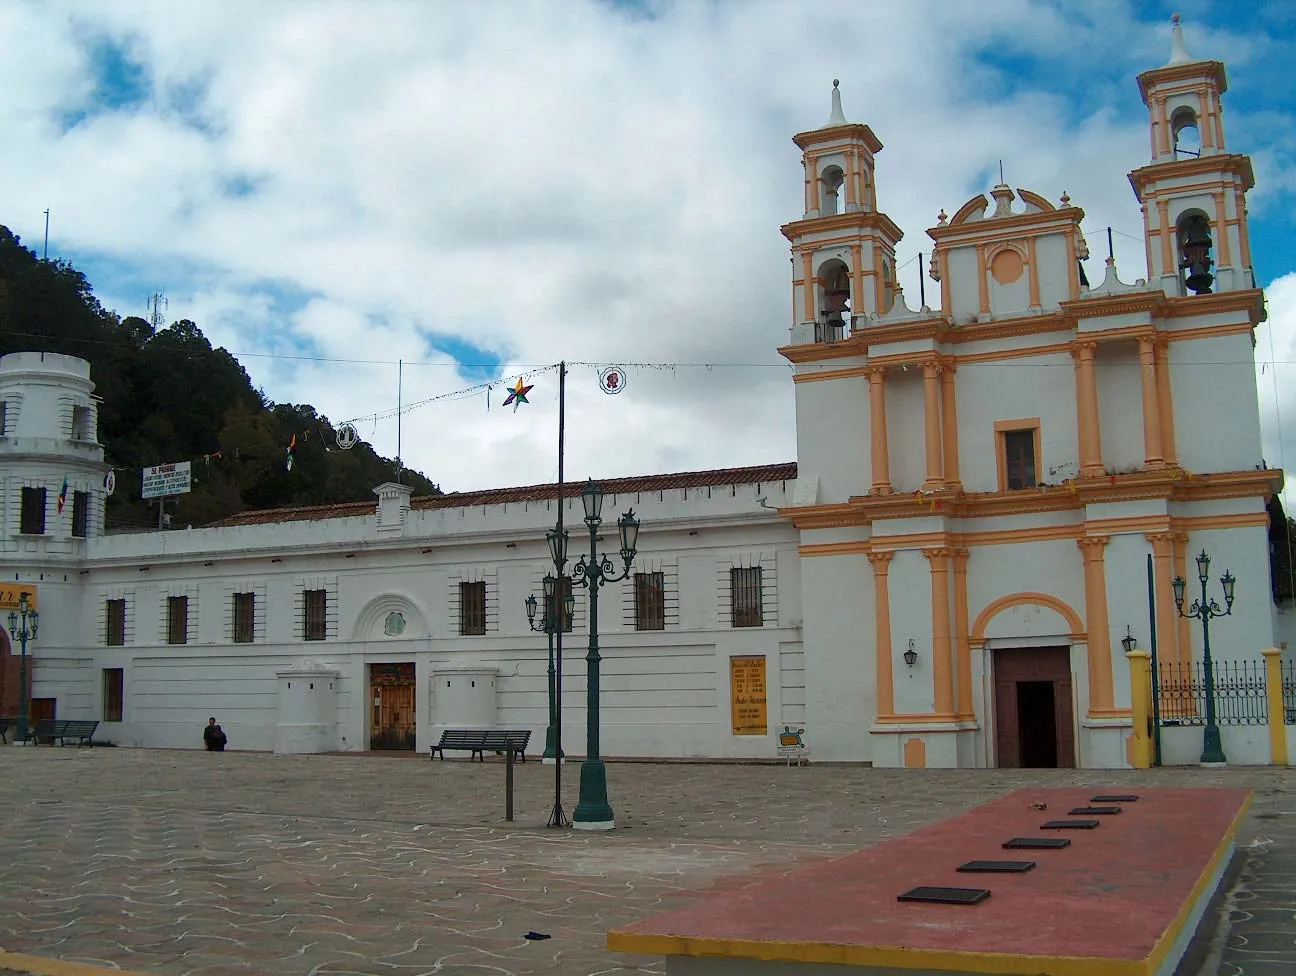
593	812
23	625
910	655
1129	642
549	626
1205	609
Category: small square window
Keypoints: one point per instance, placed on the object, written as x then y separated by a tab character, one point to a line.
1019	459
472	608
315	615
745	590
650	601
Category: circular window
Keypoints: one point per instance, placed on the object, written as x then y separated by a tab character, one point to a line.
1007	266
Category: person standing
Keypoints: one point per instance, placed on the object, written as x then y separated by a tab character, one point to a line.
214	736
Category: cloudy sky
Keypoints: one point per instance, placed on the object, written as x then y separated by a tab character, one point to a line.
481	188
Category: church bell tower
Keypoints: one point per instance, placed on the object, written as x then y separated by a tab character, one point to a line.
1194	190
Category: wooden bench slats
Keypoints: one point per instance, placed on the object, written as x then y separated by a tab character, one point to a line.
477	742
82	730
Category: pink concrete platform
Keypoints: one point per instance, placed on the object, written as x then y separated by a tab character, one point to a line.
1123	898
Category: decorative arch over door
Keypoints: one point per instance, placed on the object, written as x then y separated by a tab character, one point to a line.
1059	606
389	617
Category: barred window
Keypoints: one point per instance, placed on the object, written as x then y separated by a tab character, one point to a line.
244	617
177	620
314	615
33	511
80	513
650	601
558	609
472	608
745	591
115	623
114	682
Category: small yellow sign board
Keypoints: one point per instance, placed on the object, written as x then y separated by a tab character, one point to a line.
747	686
10	593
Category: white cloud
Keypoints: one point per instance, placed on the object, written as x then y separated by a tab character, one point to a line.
546	181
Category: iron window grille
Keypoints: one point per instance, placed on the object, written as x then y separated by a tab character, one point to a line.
650	601
177	620
472	608
80	513
33	511
315	615
745	590
244	618
115	623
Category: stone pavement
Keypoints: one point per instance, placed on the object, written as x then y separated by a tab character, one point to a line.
210	864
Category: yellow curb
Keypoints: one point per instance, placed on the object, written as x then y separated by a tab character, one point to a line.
42	966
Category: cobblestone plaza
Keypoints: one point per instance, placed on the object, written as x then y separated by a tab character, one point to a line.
210	864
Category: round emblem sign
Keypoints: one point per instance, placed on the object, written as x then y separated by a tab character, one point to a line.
395	624
110	483
612	380
347	436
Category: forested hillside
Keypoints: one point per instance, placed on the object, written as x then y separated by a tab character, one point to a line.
169	396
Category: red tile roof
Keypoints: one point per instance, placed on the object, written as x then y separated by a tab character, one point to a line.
759	474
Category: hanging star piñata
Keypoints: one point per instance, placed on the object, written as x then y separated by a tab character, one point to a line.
518	394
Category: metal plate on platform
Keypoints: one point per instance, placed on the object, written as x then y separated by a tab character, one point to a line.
1113	798
945	896
1069	825
997	867
1092	811
1037	843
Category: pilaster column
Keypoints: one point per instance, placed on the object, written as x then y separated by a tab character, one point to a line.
1163	596
808	291
962	638
942	641
1090	434
1168	243
1165	400
878	430
1101	701
813	165
983	286
884	679
949	425
932	435
1221	231
857	282
1152	452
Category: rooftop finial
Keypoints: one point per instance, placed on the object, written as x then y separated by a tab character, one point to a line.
837	117
1178	53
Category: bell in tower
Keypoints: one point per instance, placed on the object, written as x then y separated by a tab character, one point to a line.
1195	253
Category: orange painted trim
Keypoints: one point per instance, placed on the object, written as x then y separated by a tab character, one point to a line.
1244	236
978	202
983	285
884	681
1035	200
1221	230
942	631
962	637
995	607
1241	520
1167	238
1165	402
1073	268
949	425
915	753
1152	452
932	438
1032	273
1021	352
921	718
880	469
1002	427
1101	688
808	294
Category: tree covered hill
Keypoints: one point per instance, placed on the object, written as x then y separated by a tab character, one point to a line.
169	396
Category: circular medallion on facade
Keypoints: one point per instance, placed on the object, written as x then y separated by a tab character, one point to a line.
1007	266
612	380
347	436
110	483
395	624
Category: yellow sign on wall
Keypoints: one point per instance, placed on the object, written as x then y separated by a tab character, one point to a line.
747	685
10	593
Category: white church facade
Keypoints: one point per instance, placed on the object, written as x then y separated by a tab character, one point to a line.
943	578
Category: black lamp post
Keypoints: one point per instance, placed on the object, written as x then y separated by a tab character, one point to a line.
557	540
550	626
593	812
1204	610
23	624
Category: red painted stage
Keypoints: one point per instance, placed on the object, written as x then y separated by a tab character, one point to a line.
1123	896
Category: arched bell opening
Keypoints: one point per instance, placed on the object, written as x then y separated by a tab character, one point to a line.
834	301
888	286
832	191
1184	133
1196	251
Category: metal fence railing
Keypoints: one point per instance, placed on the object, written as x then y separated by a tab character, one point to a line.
1289	692
1239	693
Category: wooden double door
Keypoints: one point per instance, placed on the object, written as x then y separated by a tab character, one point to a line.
392	713
1034	718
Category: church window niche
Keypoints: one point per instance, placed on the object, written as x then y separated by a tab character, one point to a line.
834	301
834	183
1196	251
1184	133
888	287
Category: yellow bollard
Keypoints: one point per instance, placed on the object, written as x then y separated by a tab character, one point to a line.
1277	715
1140	665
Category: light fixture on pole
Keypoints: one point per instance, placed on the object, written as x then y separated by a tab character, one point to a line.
910	655
1205	609
23	624
549	627
593	812
556	538
1128	642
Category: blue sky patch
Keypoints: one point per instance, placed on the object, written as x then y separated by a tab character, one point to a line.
475	363
118	80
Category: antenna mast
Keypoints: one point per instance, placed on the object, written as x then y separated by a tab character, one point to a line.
157	303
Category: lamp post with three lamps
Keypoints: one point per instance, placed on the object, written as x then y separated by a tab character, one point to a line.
551	623
23	624
593	812
1204	609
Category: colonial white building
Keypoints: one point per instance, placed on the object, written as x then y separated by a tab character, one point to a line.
942	579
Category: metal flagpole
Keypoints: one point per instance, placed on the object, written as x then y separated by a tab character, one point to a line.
558	818
400	371
1156	668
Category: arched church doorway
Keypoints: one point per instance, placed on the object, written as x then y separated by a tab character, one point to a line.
1034	718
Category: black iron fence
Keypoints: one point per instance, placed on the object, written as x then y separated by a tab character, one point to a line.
1240	697
1289	692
